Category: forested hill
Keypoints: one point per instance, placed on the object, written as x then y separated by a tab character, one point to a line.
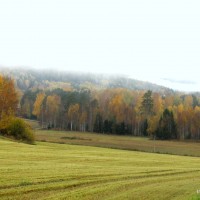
98	103
28	79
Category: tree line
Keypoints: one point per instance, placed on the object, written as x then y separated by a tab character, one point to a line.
115	111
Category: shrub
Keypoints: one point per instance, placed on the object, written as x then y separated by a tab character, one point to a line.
20	130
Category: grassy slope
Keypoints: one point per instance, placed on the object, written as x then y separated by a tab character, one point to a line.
61	171
120	142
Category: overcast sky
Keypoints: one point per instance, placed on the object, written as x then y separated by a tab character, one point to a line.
152	40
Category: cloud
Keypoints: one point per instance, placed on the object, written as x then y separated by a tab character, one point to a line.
187	82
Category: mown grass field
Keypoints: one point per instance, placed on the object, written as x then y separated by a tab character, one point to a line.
121	142
63	171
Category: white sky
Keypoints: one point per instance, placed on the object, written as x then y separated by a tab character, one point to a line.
146	39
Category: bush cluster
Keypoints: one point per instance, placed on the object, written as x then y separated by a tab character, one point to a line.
18	129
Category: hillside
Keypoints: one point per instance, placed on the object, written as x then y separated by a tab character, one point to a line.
29	79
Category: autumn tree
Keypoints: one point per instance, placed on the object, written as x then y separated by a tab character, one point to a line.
52	110
8	96
153	121
73	114
196	123
117	107
188	101
9	124
8	103
38	107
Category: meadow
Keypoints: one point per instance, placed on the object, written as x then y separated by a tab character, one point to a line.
63	171
186	148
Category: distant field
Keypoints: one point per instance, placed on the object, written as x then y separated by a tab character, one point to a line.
62	171
120	142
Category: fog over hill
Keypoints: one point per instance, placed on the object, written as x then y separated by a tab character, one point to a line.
28	79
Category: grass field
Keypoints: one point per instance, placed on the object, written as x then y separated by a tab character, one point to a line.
121	142
63	171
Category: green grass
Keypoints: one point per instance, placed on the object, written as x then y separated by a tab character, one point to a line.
121	142
63	171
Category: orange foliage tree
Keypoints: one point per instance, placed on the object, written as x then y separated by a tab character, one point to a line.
8	96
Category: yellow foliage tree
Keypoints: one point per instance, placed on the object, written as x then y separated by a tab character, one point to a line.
52	108
158	110
38	109
73	114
